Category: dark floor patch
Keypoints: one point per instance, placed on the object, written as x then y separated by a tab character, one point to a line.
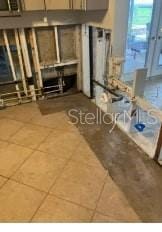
139	177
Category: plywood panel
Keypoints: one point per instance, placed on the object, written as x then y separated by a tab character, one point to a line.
46	45
67	42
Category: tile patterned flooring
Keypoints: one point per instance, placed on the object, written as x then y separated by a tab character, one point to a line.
48	173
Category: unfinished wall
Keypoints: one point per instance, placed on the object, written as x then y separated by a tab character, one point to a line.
67	43
46	45
115	19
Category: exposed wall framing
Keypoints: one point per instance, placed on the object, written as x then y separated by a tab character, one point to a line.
47	53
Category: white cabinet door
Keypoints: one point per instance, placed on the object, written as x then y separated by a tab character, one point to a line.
97	4
29	5
78	4
154	61
157	57
58	4
90	4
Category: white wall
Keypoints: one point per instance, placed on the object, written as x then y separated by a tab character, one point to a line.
120	27
116	19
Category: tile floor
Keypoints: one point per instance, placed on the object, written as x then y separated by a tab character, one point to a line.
48	173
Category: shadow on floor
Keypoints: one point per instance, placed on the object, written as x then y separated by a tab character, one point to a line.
138	177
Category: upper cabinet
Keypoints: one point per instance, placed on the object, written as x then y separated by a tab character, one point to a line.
29	5
77	4
90	4
96	4
9	7
58	4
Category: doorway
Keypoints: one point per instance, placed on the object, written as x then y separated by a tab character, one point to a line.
144	38
154	62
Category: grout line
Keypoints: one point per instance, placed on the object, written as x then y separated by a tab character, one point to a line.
28	122
57	178
47	194
72	202
27	185
11	142
59	175
21	127
28	147
102	189
5	182
31	123
33	151
18	120
5	177
29	156
43	140
117	220
41	203
50	194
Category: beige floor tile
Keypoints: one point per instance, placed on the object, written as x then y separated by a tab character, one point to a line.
11	158
2	181
99	218
56	121
18	203
40	170
3	145
113	204
61	143
22	113
80	184
8	128
85	154
56	210
6	111
30	136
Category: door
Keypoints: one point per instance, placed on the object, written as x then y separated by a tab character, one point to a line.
139	27
144	38
155	52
